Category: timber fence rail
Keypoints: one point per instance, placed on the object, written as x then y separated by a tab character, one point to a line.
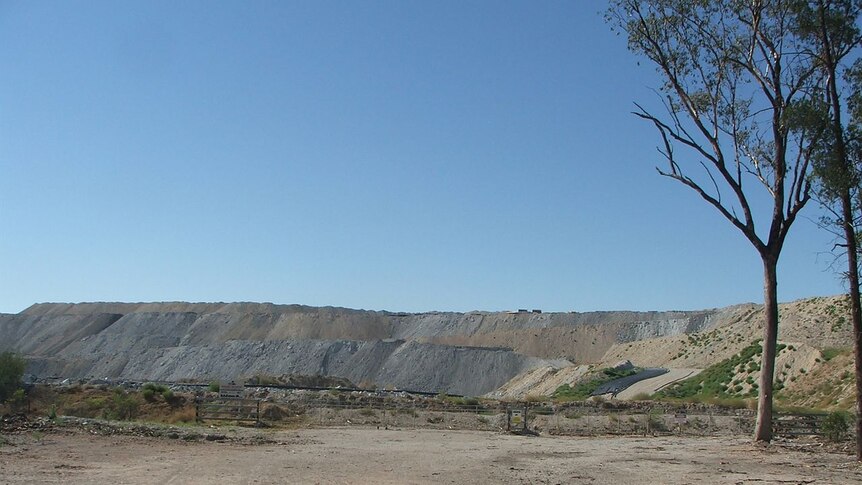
228	409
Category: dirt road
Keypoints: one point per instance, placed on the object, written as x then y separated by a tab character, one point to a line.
368	455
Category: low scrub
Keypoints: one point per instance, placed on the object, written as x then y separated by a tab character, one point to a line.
715	382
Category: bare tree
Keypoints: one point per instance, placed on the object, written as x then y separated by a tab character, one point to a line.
829	27
732	71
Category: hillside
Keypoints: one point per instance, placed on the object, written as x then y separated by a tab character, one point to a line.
465	353
814	367
521	353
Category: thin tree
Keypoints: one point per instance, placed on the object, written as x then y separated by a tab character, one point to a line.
829	27
732	73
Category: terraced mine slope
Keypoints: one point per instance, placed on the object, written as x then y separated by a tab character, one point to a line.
464	353
509	354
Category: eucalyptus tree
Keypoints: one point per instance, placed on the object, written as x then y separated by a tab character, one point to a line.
829	27
732	74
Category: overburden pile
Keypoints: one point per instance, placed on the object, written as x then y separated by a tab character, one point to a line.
457	353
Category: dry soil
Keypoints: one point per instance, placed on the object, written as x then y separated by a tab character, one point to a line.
370	455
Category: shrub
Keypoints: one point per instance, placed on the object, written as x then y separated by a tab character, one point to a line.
156	388
835	426
170	398
12	368
149	395
123	405
214	386
655	421
18	401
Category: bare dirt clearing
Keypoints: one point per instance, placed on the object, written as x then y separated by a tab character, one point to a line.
369	455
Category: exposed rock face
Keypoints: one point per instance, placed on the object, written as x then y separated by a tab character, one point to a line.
464	353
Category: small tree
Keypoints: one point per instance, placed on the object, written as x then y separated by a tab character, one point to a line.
12	368
732	77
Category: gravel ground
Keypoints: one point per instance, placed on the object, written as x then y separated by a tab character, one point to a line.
371	455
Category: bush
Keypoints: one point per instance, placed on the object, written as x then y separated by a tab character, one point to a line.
18	401
655	421
123	405
836	425
149	395
170	398
155	388
12	368
214	386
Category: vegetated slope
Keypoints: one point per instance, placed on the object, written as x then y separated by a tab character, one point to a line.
814	367
819	323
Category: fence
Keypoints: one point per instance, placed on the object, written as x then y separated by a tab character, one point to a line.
226	409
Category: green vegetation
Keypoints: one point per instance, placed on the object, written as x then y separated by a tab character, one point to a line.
585	389
835	425
150	391
214	386
12	368
18	401
123	406
830	353
715	381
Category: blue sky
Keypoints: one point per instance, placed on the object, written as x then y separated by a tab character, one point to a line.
398	155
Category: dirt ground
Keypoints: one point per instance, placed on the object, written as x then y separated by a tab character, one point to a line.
370	455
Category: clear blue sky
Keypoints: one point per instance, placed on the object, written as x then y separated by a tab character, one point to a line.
397	155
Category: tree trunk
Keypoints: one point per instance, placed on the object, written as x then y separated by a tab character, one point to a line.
855	311
763	428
